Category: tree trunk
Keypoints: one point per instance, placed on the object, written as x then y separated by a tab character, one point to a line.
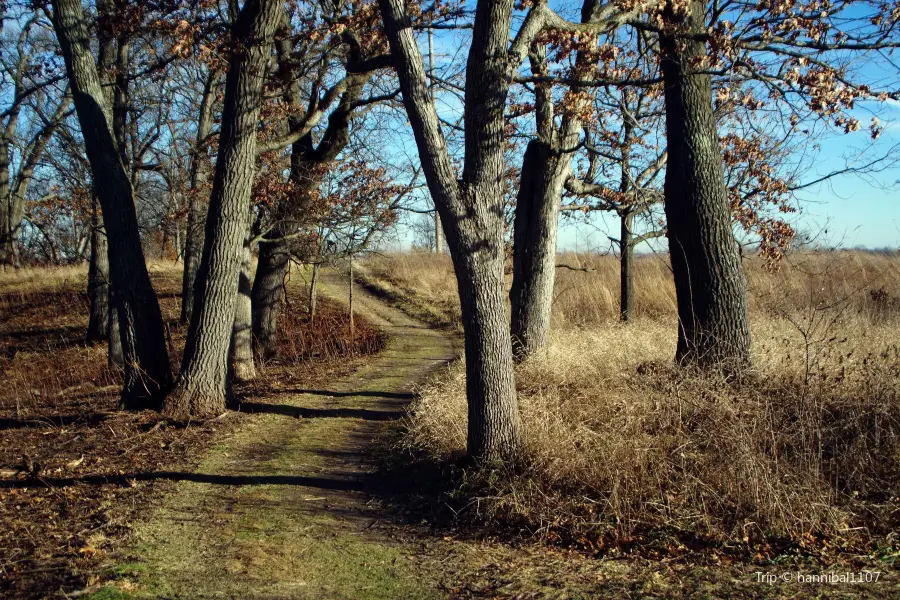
313	290
308	165
494	427
7	225
471	213
115	354
350	298
193	238
241	336
534	248
710	284
202	387
626	274
268	285
147	373
98	280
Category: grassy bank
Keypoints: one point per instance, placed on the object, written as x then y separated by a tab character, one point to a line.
625	451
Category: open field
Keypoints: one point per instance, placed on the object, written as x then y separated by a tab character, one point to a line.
627	454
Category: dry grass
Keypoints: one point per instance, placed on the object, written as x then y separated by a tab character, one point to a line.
420	283
622	447
426	285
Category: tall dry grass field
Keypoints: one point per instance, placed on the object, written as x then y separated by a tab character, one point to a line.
621	445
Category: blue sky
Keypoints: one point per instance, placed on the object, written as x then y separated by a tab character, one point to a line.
858	210
848	210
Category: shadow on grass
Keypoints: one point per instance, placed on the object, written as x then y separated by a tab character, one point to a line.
320	413
127	479
361	394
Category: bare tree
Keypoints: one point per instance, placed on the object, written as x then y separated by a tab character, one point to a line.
309	161
471	212
25	128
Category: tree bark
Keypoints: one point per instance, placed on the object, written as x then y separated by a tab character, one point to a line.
193	238
7	218
313	290
98	280
115	354
242	365
529	300
626	273
271	270
710	284
202	387
471	213
147	373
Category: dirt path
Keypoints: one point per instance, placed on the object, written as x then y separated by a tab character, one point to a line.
283	509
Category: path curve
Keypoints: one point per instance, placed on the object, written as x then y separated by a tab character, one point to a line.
284	508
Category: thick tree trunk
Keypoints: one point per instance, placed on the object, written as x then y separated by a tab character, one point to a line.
710	285
534	247
202	387
193	238
626	274
494	426
241	336
98	280
471	213
147	373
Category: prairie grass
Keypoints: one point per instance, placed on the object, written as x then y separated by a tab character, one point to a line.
621	445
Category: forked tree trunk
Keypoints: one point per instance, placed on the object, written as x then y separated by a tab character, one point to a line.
147	373
193	237
626	273
98	280
14	191
545	168
710	284
202	386
471	213
274	262
308	165
241	335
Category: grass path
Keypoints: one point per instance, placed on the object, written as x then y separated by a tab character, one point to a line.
283	509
